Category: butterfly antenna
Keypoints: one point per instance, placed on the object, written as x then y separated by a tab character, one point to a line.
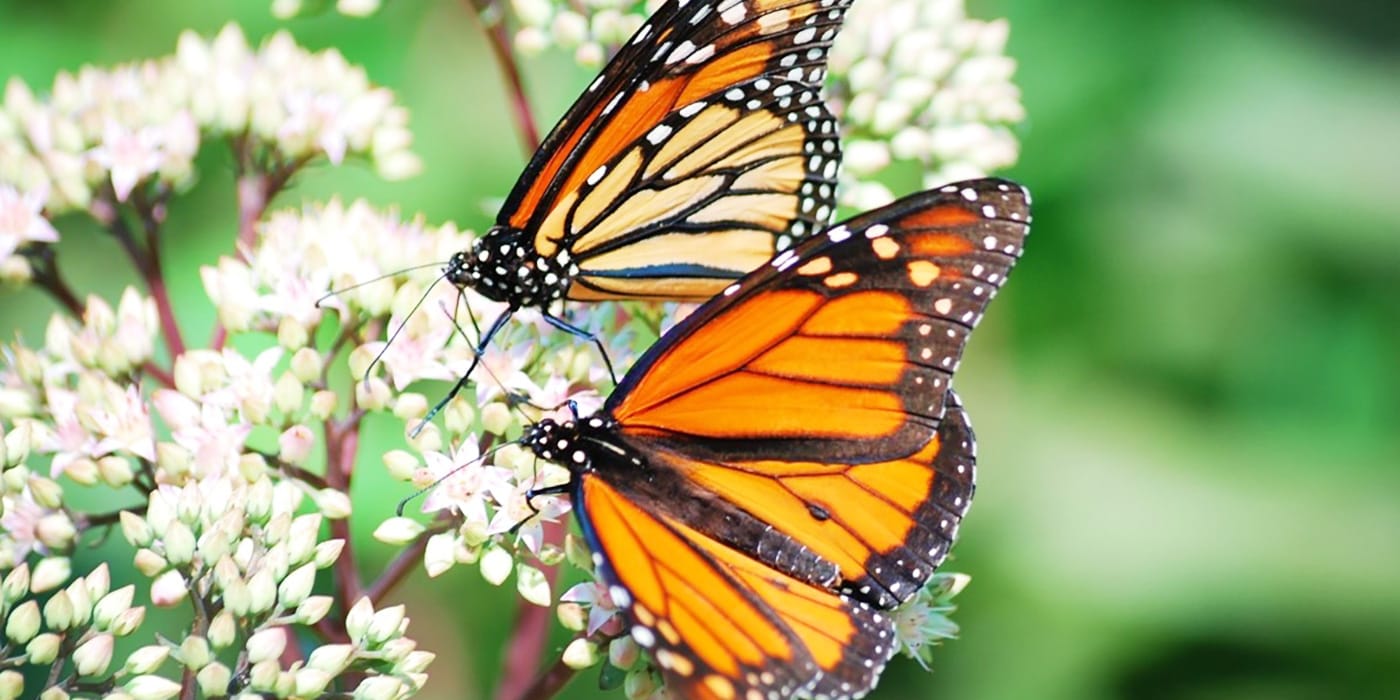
381	278
462	382
531	493
398	510
402	324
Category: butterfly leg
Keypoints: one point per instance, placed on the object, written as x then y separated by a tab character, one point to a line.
462	382
577	332
530	494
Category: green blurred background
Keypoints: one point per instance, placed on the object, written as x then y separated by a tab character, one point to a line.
1186	397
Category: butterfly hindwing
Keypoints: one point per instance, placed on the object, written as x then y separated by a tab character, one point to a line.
718	623
726	94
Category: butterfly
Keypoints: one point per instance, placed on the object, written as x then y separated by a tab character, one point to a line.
790	461
702	149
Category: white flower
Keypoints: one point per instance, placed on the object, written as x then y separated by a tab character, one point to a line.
22	220
20	521
464	486
594	596
525	517
130	154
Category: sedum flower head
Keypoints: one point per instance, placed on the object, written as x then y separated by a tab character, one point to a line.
917	81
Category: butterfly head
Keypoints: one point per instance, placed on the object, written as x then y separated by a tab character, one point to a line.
503	266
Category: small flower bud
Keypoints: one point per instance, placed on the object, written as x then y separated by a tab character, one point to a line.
54	693
310	682
55	531
327	552
58	611
640	683
333	503
43	649
128	621
623	652
152	688
581	654
440	553
288	393
296	586
173	459
149	563
294	445
115	471
291	334
92	657
458	416
589	54
168	589
112	605
17	443
50	573
258	506
262	591
416	661
263	675
496	418
23	622
323	404
531	41
572	616
306	365
223	630
398	530
373	395
82	471
11	684
357	621
395	650
313	609
379	688
195	653
266	644
214	679
179	544
237	598
331	658
146	659
385	624
98	581
410	405
46	492
16	585
496	564
532	585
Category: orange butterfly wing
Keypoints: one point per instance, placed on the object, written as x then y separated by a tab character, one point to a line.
840	349
701	148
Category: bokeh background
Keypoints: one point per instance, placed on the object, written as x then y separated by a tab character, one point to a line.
1187	397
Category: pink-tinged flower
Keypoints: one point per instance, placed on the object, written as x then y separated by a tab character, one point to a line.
514	511
69	440
123	422
500	372
594	596
315	118
20	523
130	155
22	220
465	486
416	350
215	442
250	388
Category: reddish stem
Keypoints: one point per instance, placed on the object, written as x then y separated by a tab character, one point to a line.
342	440
519	100
550	682
531	636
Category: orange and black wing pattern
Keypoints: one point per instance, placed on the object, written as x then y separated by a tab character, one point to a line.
791	458
702	149
720	624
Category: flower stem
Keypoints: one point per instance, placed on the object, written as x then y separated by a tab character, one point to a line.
527	645
549	683
519	100
147	264
410	557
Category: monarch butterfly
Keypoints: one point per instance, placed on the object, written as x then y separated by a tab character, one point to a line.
790	460
701	149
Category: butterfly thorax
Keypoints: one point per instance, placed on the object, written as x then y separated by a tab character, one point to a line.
571	443
502	265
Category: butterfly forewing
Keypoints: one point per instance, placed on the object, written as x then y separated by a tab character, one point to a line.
840	349
702	149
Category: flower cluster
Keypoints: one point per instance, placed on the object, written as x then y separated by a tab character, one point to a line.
590	28
918	81
133	130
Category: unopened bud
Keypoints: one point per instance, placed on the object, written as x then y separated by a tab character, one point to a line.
43	649
146	659
581	654
92	657
214	679
23	622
